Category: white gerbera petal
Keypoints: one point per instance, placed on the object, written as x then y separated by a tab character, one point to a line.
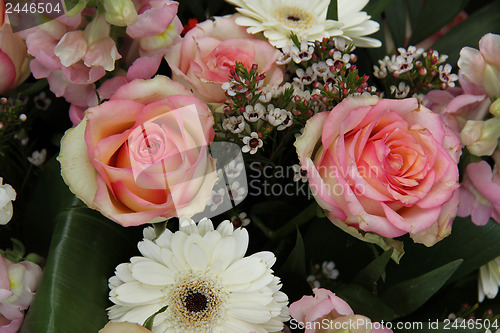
306	19
204	280
152	273
489	280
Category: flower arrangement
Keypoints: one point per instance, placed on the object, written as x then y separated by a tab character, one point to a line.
249	166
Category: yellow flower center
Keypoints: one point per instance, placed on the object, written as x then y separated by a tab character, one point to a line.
294	17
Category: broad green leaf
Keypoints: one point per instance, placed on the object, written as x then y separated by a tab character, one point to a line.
406	297
73	295
293	272
370	275
469	32
475	245
375	7
50	197
395	15
366	303
434	16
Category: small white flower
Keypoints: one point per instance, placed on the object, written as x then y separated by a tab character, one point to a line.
446	76
304	54
412	52
253	114
401	91
285	57
313	281
216	199
275	116
339	60
7	195
321	70
228	88
300	174
237	192
402	65
202	277
489	279
41	101
328	268
23	117
287	122
38	157
240	220
304	77
380	72
252	143
233	169
234	124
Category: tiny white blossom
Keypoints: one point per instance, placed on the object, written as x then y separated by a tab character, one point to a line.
234	124
321	70
216	199
339	60
380	72
304	54
313	281
328	268
38	157
237	192
252	143
412	52
253	114
233	169
304	77
240	220
300	174
275	116
446	76
401	91
41	101
402	65
287	122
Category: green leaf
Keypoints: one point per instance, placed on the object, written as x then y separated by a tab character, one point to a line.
468	33
333	13
50	196
395	15
150	321
406	297
364	302
73	294
375	7
434	16
475	245
293	272
370	275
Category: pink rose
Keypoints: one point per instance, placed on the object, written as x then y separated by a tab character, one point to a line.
142	156
313	312
18	283
14	63
205	57
480	192
383	166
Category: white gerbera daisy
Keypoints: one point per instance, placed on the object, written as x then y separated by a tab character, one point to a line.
205	281
307	19
278	19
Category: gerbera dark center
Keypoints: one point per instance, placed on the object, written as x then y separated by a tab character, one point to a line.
293	18
195	302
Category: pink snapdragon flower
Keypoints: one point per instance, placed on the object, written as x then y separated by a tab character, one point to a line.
328	313
482	66
18	283
457	105
480	192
